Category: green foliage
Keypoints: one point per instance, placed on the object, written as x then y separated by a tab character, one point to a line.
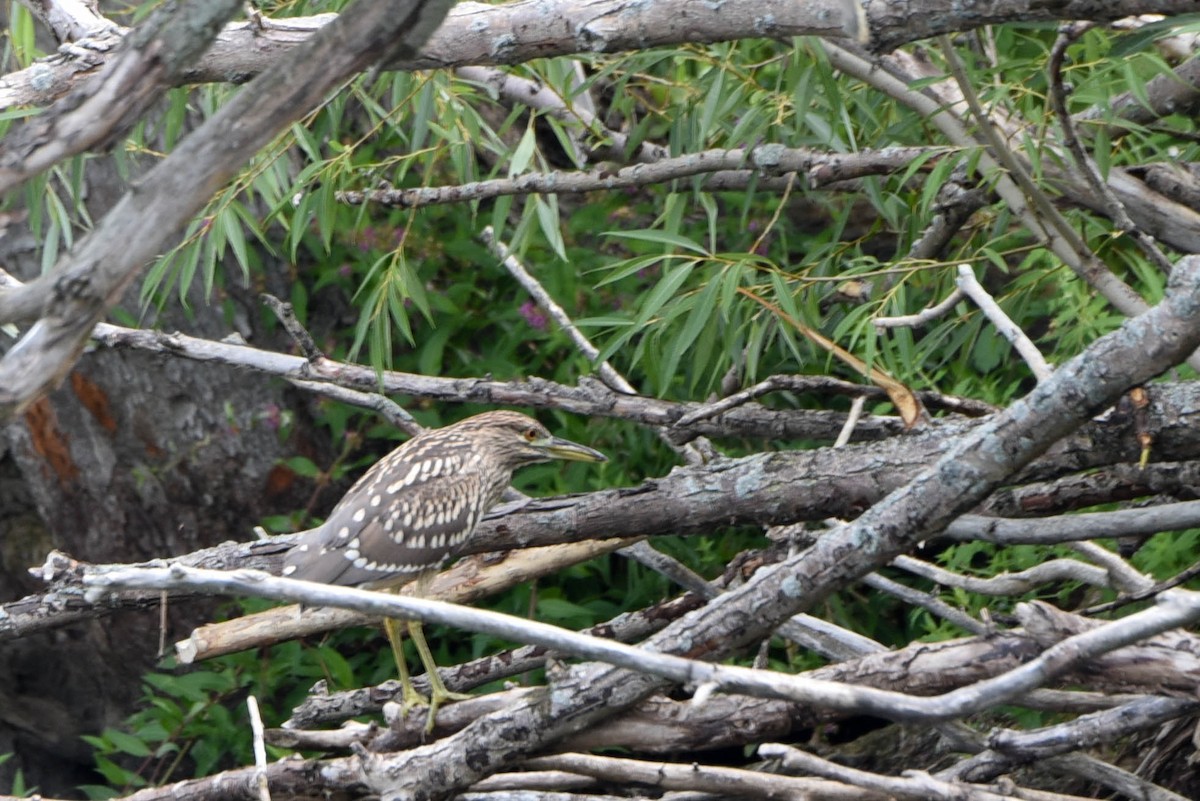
1168	554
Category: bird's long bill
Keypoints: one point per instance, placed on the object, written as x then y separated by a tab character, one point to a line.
560	448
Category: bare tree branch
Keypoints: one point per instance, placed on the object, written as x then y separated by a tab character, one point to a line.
589	398
765	161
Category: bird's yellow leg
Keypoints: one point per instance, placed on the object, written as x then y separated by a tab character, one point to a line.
409	697
438	693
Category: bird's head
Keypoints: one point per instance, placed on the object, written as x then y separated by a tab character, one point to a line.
518	439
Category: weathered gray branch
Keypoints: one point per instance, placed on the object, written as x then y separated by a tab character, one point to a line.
764	161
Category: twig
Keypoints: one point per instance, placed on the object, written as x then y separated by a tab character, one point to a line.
922	317
1122	576
387	408
395	414
1085	731
1086	526
260	749
819	384
1175	581
852	418
672	568
915	785
556	784
538	95
500	249
954	206
724	782
1009	583
1003	323
287	317
927	602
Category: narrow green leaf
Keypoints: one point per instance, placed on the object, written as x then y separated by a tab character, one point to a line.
668	240
127	743
523	154
663	291
703	313
237	241
628	267
712	102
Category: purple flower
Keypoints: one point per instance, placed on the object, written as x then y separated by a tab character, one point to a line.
366	239
272	416
534	316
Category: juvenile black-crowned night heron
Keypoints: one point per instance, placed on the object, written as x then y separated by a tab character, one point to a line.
416	507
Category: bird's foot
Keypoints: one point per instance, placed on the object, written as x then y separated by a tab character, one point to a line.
436	699
410	699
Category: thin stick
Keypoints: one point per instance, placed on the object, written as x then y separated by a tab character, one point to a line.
775	165
922	317
696	452
260	749
608	375
1008	329
287	318
856	408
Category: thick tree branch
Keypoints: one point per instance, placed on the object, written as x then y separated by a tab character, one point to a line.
70	20
515	32
511	33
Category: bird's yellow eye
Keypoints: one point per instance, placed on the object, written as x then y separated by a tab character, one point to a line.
531	434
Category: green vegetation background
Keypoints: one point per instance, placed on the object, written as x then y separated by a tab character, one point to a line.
655	276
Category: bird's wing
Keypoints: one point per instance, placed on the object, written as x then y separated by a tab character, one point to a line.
387	536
